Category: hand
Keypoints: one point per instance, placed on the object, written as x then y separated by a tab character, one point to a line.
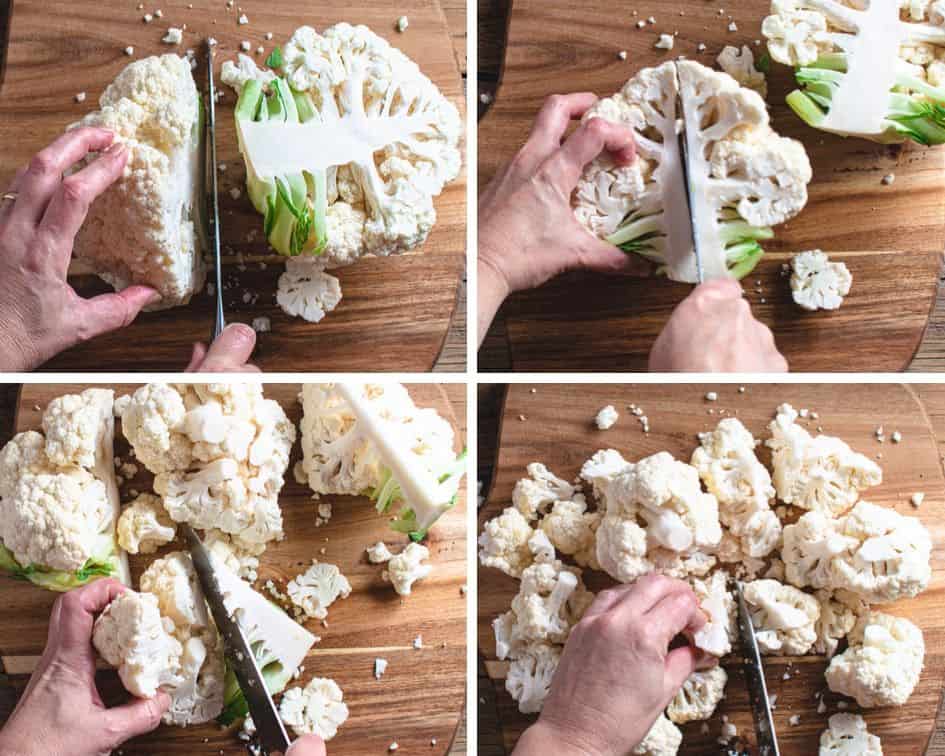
40	313
229	353
307	745
61	711
713	331
527	230
617	674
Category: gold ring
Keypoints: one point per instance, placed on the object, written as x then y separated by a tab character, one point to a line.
8	196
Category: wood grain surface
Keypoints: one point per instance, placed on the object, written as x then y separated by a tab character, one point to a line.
558	430
419	698
401	305
891	237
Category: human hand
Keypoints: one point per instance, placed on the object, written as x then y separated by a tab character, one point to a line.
617	674
40	313
527	230
713	331
61	712
229	353
307	745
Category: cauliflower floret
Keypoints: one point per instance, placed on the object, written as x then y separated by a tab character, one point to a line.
533	496
839	611
717	604
601	470
318	588
306	290
378	553
406	568
817	283
820	473
796	34
810	545
316	709
144	525
132	636
151	420
785	618
529	677
504	543
846	735
142	230
883	663
621	549
76	427
236	75
698	697
572	530
606	418
741	67
731	552
663	739
238	556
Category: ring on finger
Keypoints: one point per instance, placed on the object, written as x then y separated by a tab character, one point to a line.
8	196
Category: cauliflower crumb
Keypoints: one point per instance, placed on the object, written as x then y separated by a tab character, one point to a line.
665	42
888	179
80	97
711	396
173	36
896	437
380	667
622	55
378	553
148	18
402	24
607	417
418	642
245	46
794	720
129	50
236	192
733	27
268	35
917	498
159	13
641	24
242	19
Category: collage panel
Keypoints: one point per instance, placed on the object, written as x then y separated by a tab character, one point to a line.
620	521
325	562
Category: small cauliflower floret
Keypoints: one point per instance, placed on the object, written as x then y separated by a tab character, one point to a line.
606	418
784	618
530	673
503	543
731	552
663	739
151	419
817	283
717	604
316	709
698	697
819	473
740	65
839	611
318	588
572	530
77	425
306	290
621	549
601	470
144	525
846	735
378	553
132	636
144	228
406	568
883	663
533	496
810	546
235	75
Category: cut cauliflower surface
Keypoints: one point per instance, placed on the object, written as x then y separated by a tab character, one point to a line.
316	709
663	739
817	283
145	228
846	735
718	605
728	466
839	611
697	698
406	568
572	530
740	65
306	290
820	473
318	588
784	618
219	452
743	176
530	673
503	543
144	525
883	663
534	496
132	636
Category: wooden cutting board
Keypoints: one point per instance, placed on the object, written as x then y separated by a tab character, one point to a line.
419	698
558	430
401	306
891	237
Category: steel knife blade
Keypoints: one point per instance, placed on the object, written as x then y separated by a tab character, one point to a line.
212	200
684	159
269	728
755	675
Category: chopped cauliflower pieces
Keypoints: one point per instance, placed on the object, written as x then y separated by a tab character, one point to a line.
784	617
144	525
406	568
817	283
318	588
316	709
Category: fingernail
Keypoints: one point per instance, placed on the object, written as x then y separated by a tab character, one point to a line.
116	148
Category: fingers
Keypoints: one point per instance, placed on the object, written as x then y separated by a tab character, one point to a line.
231	350
680	664
590	139
307	745
197	357
109	312
74	614
649	590
606	600
134	718
718	289
45	170
71	201
671	615
553	120
594	254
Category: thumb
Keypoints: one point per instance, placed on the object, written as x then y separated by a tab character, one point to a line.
108	312
196	358
231	349
602	257
134	718
680	664
307	745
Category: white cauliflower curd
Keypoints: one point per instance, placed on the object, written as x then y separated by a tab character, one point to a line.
305	290
663	739
820	473
744	178
317	709
784	618
839	611
533	496
718	605
406	568
144	229
606	418
572	530
698	697
740	65
846	735
144	525
817	283
530	673
503	543
318	588
883	663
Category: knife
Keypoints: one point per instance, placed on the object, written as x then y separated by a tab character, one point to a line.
213	204
684	159
269	728
755	674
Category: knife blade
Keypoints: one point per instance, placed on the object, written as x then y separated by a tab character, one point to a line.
755	675
213	203
684	159
269	728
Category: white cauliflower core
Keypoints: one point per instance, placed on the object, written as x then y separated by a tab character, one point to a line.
743	176
817	283
784	618
316	709
145	228
318	588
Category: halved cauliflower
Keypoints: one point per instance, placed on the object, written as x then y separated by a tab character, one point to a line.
529	677
144	525
698	697
784	618
817	283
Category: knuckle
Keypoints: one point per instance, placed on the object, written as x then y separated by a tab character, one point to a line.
556	102
597	128
42	164
73	190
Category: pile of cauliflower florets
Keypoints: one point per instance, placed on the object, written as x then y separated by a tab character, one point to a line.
809	585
